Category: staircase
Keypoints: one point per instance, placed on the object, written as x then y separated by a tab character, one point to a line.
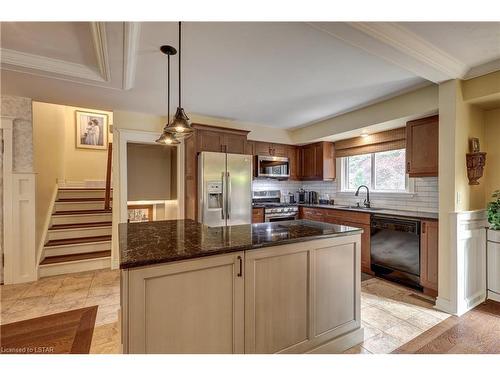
79	236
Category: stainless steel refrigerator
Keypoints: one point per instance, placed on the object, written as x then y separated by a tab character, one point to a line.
224	189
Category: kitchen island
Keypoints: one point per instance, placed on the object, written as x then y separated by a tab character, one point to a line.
282	287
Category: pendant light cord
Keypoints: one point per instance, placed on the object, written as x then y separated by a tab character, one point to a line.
180	65
168	90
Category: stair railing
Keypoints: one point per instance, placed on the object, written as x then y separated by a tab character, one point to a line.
107	194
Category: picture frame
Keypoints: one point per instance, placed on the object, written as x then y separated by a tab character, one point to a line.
140	213
91	130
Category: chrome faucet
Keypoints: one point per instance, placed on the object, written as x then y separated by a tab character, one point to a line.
367	200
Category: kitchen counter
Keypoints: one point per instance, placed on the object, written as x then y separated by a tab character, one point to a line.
143	244
379	211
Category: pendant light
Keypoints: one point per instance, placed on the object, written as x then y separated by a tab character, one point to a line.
167	138
181	125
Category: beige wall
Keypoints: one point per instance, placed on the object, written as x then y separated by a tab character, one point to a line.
82	164
48	148
151	172
413	104
492	148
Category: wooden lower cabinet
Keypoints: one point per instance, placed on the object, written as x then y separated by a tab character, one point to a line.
429	256
257	215
349	218
195	306
301	296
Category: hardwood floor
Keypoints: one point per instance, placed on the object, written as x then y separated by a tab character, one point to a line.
477	331
68	332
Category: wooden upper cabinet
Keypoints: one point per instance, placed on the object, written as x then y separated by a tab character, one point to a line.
292	153
422	143
235	143
210	141
271	149
215	139
317	161
429	255
250	148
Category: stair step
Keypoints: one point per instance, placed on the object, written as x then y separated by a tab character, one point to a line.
76	188
81	225
82	199
81	212
81	218
72	241
75	257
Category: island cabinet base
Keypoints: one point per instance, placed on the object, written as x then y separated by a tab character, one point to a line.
296	298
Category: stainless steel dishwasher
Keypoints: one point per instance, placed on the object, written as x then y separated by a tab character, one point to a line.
395	249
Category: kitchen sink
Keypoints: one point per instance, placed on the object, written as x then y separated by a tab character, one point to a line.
362	208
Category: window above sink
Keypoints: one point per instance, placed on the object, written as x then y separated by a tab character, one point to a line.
383	172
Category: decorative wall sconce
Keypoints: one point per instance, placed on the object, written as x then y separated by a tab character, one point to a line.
475	162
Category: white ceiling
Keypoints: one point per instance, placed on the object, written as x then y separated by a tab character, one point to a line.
282	75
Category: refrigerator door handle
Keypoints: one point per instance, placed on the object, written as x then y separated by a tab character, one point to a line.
228	183
222	175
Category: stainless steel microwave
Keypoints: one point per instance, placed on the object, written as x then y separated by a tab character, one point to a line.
272	166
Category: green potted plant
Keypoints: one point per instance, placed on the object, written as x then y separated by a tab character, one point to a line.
494	211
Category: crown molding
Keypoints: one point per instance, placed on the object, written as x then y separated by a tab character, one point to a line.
20	61
131	38
99	40
398	45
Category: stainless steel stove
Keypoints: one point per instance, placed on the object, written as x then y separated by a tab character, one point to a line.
274	209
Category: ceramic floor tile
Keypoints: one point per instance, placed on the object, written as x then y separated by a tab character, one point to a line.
423	320
45	288
404	332
54	308
104	290
381	344
358	349
13	291
369	330
62	295
107	314
107	299
5	305
379	318
77	281
400	310
29	303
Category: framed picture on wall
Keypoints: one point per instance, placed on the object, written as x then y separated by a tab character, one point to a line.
140	213
91	130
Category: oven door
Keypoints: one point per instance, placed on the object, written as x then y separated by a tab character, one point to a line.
279	217
273	166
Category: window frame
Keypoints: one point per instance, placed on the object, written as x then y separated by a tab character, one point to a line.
342	165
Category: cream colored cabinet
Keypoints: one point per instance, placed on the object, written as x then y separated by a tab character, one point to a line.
193	306
299	298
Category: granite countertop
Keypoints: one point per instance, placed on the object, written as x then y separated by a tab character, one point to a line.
380	211
143	244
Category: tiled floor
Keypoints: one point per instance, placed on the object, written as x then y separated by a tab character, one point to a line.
67	292
392	315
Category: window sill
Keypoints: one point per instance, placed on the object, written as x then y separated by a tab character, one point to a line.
378	194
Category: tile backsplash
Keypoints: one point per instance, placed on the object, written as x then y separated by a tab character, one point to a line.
424	198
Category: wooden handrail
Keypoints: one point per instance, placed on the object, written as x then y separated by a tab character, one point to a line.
107	196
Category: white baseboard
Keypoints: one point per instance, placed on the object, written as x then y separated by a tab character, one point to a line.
493	296
340	344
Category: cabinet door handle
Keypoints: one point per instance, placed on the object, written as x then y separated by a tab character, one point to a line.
240	260
408	167
423	227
